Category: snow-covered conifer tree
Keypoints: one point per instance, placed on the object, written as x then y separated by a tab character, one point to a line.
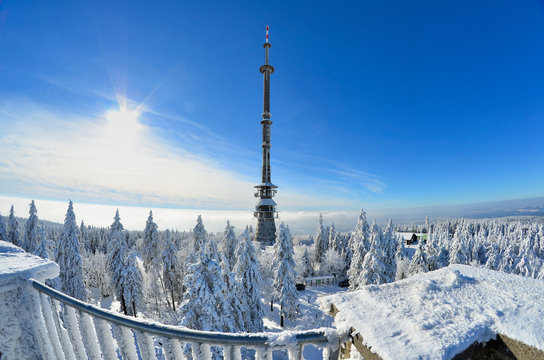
248	280
3	230
84	238
172	270
43	249
388	250
358	243
333	263
199	234
306	264
31	237
320	242
493	257
235	316
419	261
285	292
332	238
204	306
227	246
431	250
509	259
402	261
151	252
132	285
13	228
459	253
374	269
69	258
360	234
117	259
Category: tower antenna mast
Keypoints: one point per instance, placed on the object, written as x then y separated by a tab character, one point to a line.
265	210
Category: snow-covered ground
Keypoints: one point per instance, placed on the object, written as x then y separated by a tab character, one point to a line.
438	314
309	316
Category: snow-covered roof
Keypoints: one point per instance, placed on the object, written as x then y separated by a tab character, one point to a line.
267	202
16	263
439	314
266	184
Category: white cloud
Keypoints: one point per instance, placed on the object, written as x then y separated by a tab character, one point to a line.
51	154
98	159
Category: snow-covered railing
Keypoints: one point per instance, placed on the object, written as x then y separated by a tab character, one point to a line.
39	322
93	332
320	280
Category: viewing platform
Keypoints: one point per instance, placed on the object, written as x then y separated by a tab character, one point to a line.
38	322
457	312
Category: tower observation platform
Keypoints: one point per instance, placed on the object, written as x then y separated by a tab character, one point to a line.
265	210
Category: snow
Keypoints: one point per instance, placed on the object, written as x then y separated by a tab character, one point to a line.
16	263
439	314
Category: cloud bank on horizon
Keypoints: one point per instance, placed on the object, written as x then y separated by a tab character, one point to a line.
300	222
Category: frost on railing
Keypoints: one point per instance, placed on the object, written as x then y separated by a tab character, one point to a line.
56	326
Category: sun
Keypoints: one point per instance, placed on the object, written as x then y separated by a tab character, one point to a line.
123	117
123	124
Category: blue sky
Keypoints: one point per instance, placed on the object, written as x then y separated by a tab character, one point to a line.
384	104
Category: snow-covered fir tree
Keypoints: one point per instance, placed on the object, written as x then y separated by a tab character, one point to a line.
419	261
172	270
320	242
508	260
248	281
459	253
84	238
358	243
374	270
132	285
199	234
231	297
31	237
493	257
285	292
227	247
332	237
43	249
69	259
204	306
151	252
388	251
402	261
13	228
333	263
117	259
431	250
307	269
3	229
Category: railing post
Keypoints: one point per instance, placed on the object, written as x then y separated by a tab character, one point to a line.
52	328
105	338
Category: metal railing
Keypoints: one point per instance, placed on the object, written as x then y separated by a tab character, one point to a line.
72	329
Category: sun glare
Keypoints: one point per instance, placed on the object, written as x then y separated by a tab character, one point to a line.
123	117
123	123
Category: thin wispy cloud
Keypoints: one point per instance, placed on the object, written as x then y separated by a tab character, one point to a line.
94	158
51	153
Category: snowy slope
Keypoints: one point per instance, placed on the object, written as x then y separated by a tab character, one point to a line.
438	314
